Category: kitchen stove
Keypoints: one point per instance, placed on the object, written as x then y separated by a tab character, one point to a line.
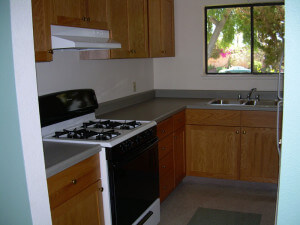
129	155
104	132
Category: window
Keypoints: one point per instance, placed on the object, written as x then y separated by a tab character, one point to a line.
244	39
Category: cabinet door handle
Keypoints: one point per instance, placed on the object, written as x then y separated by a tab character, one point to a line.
74	181
244	132
163	166
163	148
101	189
88	19
163	131
237	132
84	18
50	51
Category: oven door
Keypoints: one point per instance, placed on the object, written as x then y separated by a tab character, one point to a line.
134	184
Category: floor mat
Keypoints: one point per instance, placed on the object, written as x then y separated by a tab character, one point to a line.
204	216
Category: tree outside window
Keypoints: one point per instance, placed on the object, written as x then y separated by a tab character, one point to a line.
244	39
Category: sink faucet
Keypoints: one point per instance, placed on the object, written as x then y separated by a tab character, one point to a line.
250	93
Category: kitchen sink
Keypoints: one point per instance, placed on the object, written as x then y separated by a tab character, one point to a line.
242	102
262	102
227	102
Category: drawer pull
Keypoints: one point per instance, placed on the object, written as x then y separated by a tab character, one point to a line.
237	132
163	166
74	181
244	132
163	148
163	131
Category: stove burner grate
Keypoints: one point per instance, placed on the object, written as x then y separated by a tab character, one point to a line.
86	134
108	124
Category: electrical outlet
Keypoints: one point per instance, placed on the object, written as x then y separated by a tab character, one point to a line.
134	86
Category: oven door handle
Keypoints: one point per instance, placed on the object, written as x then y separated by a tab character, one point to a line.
137	153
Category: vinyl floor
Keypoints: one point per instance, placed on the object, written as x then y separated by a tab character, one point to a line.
240	196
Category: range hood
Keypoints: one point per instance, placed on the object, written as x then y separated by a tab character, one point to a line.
74	38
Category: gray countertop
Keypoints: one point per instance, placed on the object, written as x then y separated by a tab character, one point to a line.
159	109
60	156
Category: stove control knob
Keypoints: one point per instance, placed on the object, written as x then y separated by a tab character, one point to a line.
122	147
129	144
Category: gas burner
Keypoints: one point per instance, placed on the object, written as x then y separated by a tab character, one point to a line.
106	135
128	125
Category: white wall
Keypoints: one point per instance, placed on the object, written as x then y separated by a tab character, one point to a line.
186	70
110	79
28	112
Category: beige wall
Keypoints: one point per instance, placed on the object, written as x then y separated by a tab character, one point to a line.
186	70
110	79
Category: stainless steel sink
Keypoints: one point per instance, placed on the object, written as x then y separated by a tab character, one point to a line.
227	102
242	102
262	102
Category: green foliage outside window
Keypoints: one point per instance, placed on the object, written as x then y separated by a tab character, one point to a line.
233	39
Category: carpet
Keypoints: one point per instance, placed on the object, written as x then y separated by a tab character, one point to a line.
204	216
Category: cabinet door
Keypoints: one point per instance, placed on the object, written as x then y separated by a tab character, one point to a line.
119	27
161	28
138	28
84	208
69	13
129	26
167	28
96	11
212	151
179	155
259	157
41	30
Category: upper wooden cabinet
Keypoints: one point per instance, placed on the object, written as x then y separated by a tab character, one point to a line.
129	26
161	28
41	30
80	13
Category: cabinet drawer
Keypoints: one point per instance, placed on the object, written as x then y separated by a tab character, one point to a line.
166	185
213	117
258	119
165	146
179	120
166	164
164	128
71	181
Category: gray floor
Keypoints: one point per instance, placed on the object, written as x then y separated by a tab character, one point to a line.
239	196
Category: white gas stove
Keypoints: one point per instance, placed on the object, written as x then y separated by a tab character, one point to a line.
129	155
89	130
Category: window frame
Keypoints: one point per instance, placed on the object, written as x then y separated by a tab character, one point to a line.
252	34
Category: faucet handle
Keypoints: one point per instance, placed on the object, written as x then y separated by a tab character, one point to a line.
257	97
239	96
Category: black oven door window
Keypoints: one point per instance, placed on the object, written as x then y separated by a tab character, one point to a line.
134	185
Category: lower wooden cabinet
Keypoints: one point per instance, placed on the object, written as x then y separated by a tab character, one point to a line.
166	175
179	155
212	151
232	145
259	158
84	208
75	194
171	150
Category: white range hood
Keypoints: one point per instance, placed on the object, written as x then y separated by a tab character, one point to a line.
74	38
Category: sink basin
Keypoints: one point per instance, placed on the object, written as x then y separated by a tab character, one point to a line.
227	102
262	102
242	102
